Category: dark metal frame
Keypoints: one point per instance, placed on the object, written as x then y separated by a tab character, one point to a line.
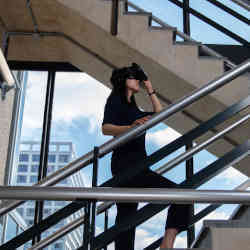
187	10
42	172
149	210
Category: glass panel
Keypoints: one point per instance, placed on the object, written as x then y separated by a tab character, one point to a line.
28	146
35	157
209	35
24	157
22	168
165	10
11	229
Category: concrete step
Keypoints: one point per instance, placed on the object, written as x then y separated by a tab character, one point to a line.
185	249
236	233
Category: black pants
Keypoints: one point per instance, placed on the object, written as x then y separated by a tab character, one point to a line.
177	214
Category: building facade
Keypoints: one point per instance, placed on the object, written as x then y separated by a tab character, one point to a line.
26	174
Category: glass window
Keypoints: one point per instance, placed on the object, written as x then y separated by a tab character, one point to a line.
24	157
64	148
20	210
21	179
11	230
36	147
47	211
34	168
33	178
30	222
35	158
51	169
52	148
24	147
48	203
22	168
64	158
60	203
58	245
30	211
52	158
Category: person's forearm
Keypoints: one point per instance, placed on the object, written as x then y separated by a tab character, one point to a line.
114	130
156	103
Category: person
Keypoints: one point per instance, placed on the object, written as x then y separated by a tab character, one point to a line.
121	113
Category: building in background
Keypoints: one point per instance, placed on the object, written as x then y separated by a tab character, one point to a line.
60	154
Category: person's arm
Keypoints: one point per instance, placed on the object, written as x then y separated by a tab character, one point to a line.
114	130
153	97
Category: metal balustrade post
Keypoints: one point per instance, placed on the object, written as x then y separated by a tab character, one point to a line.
114	17
93	206
86	226
186	17
189	174
42	172
106	224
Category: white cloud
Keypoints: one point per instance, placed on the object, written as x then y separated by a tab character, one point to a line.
180	242
76	95
213	216
163	137
144	238
232	175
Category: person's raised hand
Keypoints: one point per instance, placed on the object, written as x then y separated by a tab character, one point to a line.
148	86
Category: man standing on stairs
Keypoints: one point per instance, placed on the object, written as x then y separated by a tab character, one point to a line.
121	114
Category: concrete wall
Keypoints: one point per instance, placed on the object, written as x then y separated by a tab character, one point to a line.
5	122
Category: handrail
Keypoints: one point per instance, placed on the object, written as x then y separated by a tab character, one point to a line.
188	154
186	37
134	195
58	234
242	4
210	209
164	114
184	156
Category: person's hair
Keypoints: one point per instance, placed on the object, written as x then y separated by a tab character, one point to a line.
118	81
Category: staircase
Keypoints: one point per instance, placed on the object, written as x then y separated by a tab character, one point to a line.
226	234
96	52
79	32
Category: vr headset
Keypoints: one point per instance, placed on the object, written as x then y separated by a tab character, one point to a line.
136	72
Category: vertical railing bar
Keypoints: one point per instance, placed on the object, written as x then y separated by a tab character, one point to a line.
86	226
106	224
186	18
114	17
93	207
45	146
189	175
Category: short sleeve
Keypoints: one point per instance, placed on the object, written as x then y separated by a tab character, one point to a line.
111	111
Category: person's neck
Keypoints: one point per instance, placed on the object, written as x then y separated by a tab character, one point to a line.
129	94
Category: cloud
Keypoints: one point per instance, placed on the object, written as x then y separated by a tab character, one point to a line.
162	137
180	242
76	95
213	216
232	176
144	238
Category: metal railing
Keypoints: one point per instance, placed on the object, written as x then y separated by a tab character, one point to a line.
184	36
58	234
76	223
122	139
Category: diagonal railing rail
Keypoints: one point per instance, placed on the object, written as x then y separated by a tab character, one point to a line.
157	118
114	181
150	210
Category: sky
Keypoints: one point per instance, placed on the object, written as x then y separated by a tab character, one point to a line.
77	116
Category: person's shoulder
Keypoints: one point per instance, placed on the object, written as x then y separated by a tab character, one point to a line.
114	98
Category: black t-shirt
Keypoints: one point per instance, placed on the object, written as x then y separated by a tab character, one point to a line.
119	112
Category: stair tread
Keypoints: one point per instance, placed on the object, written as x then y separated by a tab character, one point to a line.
226	223
185	249
137	13
162	28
